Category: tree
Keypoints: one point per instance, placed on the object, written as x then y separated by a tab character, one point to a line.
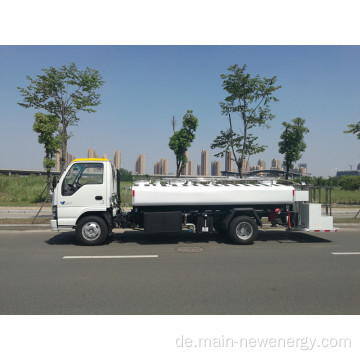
63	92
292	142
182	139
249	97
354	129
47	127
236	143
126	175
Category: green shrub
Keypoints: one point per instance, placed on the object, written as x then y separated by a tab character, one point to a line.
22	190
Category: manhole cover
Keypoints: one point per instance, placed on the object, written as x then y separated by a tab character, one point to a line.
190	249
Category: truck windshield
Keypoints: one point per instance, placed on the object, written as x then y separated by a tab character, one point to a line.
80	175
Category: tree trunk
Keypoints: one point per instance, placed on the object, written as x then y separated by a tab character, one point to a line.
178	169
48	172
63	149
48	181
63	140
288	165
240	170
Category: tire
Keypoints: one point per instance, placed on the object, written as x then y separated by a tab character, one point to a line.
92	230
243	230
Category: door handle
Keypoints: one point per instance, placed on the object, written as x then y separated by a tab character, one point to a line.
98	197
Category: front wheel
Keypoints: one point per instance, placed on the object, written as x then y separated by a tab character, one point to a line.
92	230
243	230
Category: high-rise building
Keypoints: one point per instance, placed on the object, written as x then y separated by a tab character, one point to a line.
216	168
262	164
140	164
69	158
229	161
190	166
91	153
198	168
204	163
276	164
303	168
161	167
117	159
245	166
104	156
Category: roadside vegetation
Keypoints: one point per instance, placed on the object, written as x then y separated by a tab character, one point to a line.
31	190
22	190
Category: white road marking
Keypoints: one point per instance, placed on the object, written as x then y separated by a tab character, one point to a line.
346	253
112	257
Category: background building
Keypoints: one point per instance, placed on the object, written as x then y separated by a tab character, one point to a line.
229	161
303	168
204	163
216	168
117	159
261	164
92	153
190	166
276	165
245	166
68	160
140	165
161	167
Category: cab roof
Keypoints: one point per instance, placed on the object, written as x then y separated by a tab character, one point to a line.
90	159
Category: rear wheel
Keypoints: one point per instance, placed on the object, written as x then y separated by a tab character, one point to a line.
92	230
243	230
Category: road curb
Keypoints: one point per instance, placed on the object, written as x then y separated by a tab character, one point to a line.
24	227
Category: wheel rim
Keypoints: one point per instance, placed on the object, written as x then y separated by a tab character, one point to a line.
244	231
91	231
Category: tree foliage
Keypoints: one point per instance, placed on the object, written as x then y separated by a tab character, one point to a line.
181	140
350	182
354	129
344	182
47	127
250	98
126	175
292	142
63	92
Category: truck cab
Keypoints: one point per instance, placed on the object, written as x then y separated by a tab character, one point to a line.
85	199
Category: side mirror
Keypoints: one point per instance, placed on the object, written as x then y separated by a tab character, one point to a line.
54	182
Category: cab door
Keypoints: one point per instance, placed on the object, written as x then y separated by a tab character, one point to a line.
83	189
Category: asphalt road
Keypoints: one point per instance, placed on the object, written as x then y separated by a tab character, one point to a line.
186	274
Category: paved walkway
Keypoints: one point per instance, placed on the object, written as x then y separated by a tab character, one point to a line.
23	212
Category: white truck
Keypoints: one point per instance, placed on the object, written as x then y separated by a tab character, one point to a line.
87	199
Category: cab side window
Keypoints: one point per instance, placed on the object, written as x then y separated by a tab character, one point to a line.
82	174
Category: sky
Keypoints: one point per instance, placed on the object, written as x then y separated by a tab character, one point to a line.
145	86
